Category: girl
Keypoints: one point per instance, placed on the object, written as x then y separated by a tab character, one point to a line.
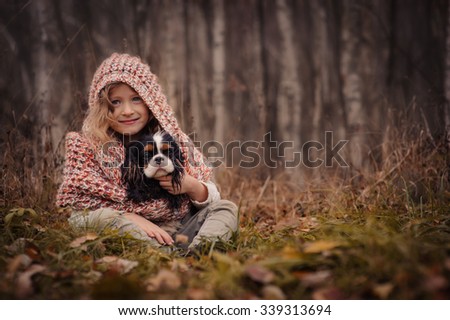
125	102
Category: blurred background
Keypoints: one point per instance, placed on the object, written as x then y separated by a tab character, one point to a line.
233	70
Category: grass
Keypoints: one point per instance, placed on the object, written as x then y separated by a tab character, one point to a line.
386	236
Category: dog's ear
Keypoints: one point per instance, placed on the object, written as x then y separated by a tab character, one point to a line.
178	163
178	155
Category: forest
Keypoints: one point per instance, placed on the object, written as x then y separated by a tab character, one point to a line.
327	122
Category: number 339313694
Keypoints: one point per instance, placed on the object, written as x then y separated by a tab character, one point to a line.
295	310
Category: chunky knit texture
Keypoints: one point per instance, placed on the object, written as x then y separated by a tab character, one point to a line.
132	71
92	177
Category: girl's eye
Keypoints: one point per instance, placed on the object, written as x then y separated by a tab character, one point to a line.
137	99
115	102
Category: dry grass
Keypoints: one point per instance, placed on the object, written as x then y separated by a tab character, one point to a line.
386	236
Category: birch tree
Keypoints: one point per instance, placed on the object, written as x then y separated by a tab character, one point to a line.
321	80
351	59
289	95
43	64
218	62
198	63
173	68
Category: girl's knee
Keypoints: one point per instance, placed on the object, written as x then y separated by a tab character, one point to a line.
227	212
225	205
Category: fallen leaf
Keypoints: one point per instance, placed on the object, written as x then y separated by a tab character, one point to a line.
116	264
33	251
320	246
92	276
383	291
179	265
165	279
330	293
435	283
225	260
79	241
402	277
314	279
19	212
289	252
308	223
39	228
259	273
198	294
64	274
116	287
18	246
24	283
287	222
447	263
19	261
25	245
272	292
181	238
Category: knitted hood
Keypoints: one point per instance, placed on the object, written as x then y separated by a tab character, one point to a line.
132	71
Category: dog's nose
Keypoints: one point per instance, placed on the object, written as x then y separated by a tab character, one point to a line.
158	160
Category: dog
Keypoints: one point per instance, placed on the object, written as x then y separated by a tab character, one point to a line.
153	156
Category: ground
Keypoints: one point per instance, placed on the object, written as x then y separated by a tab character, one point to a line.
385	235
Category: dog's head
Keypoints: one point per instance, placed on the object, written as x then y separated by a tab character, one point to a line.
162	155
153	156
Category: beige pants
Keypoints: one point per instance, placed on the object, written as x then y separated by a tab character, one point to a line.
216	221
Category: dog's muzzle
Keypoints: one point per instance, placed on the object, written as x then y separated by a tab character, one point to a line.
159	166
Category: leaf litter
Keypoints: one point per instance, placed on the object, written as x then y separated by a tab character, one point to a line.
312	243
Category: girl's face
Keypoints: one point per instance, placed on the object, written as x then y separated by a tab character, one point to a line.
128	111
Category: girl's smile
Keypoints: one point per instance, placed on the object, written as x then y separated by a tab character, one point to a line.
129	122
129	114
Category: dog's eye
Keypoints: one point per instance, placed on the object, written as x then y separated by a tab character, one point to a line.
148	148
165	148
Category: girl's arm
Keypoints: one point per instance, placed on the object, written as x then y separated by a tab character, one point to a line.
152	230
200	193
85	184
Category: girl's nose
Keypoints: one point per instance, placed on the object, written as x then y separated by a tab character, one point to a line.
127	109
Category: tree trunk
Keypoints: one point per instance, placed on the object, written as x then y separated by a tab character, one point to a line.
172	68
351	68
218	61
199	78
321	87
43	60
447	83
289	94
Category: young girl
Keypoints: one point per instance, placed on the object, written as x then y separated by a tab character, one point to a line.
125	102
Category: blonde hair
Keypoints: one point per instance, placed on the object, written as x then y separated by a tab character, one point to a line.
96	125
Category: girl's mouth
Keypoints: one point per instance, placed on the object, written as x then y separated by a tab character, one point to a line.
128	122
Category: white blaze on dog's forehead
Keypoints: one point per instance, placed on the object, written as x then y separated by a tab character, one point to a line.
158	138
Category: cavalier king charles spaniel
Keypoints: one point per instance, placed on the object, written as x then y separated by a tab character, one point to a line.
153	156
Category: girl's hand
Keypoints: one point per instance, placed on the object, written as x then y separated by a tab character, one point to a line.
196	190
152	230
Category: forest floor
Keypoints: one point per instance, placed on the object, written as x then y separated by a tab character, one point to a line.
381	236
